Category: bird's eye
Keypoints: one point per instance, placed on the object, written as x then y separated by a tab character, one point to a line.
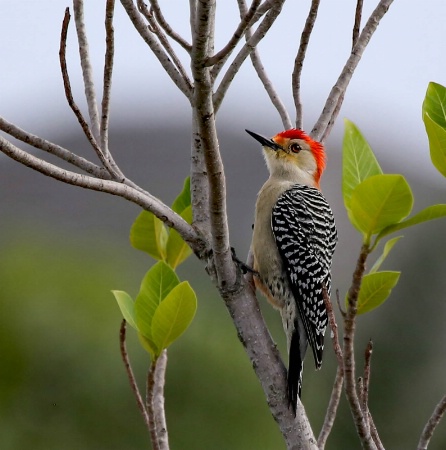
295	148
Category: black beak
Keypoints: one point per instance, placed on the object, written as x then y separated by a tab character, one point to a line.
265	141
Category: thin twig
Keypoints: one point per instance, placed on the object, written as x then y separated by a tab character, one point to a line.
87	70
150	406
143	199
365	392
53	149
156	48
130	375
108	71
299	61
374	433
431	424
336	392
163	40
111	168
261	73
224	53
349	358
357	24
258	35
167	28
328	116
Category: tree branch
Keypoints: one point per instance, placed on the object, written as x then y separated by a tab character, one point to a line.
349	357
357	24
158	401
249	46
167	28
53	149
157	50
336	392
130	375
139	197
328	116
206	130
431	424
108	71
261	73
299	61
224	53
87	70
163	40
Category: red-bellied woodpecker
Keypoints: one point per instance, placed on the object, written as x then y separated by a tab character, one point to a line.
293	243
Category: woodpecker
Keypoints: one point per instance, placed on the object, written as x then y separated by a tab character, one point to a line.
293	242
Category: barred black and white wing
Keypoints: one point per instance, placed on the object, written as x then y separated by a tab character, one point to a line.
305	233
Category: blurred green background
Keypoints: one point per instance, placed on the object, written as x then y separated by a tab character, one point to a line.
63	249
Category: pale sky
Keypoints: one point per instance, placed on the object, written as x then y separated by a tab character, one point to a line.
384	98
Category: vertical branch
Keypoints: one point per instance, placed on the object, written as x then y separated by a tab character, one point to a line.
108	71
299	61
204	113
87	71
357	25
150	387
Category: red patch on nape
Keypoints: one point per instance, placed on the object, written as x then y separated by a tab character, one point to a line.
316	147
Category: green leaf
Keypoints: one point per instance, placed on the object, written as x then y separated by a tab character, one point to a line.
148	346
156	285
380	201
177	249
434	104
184	199
174	315
387	247
430	213
126	305
149	234
375	289
437	143
358	161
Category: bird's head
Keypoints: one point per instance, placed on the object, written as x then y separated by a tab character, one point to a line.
292	154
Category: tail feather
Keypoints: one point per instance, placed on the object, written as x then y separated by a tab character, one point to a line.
295	370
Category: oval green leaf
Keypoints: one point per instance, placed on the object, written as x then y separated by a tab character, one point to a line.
126	305
430	213
375	289
174	315
437	143
380	201
177	250
434	104
149	346
149	234
358	161
156	285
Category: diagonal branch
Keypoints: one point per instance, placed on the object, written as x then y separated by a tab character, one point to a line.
134	195
431	424
249	46
166	27
53	149
261	73
328	116
156	48
163	40
299	61
244	24
87	70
